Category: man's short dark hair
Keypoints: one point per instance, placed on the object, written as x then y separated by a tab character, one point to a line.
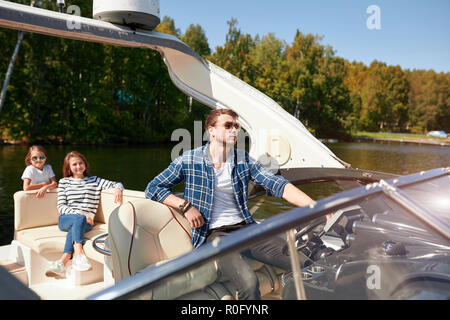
211	119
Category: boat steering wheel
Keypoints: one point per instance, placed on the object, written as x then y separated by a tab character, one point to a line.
306	230
309	228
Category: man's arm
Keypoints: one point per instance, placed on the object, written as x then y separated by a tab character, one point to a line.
295	196
298	198
160	189
161	186
280	187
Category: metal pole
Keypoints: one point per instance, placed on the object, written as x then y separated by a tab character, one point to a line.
296	271
61	5
10	70
11	66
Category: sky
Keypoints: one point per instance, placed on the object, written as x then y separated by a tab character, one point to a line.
414	34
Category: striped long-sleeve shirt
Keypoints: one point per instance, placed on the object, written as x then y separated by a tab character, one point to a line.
82	196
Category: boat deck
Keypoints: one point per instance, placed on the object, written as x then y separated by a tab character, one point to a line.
52	290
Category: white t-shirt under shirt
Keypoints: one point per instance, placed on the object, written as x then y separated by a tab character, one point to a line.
38	176
225	210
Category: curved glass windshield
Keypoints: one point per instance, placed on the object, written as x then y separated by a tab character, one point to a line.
434	195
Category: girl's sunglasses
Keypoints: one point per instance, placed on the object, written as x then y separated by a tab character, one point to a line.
229	125
42	158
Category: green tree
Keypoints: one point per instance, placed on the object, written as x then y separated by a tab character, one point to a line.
268	58
235	55
385	98
167	25
355	80
318	94
428	100
195	38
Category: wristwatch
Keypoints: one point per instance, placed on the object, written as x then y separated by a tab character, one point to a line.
185	206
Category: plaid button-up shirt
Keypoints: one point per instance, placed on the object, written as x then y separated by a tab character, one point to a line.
195	167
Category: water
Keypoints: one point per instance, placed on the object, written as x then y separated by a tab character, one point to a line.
136	166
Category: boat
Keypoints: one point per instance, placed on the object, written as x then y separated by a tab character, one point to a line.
387	240
137	255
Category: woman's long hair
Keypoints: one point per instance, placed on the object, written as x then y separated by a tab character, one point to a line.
66	166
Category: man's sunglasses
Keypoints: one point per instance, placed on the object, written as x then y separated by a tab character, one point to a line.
229	125
42	158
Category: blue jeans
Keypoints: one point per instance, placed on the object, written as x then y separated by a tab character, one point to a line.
76	226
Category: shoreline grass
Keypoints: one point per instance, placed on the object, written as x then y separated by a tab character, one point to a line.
394	136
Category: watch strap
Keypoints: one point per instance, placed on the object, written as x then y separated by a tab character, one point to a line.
186	208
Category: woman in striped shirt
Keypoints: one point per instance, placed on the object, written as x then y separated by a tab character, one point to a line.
78	199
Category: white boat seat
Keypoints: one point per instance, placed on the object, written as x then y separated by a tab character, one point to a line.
142	233
50	239
36	221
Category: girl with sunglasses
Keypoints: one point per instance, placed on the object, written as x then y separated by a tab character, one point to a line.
38	175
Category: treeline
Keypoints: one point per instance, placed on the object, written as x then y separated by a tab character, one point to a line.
329	94
65	91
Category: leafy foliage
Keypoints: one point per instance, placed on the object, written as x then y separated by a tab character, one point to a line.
66	91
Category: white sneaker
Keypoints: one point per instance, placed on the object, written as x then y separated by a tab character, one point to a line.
81	263
56	269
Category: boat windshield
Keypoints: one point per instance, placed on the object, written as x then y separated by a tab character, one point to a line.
216	277
433	195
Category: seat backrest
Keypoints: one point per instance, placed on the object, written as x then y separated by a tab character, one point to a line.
31	212
144	232
107	204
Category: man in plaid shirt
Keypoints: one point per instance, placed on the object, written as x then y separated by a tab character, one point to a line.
216	180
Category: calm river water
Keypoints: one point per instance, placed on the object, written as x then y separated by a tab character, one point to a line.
136	166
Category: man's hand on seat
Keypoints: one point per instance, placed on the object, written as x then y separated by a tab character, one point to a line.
194	217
